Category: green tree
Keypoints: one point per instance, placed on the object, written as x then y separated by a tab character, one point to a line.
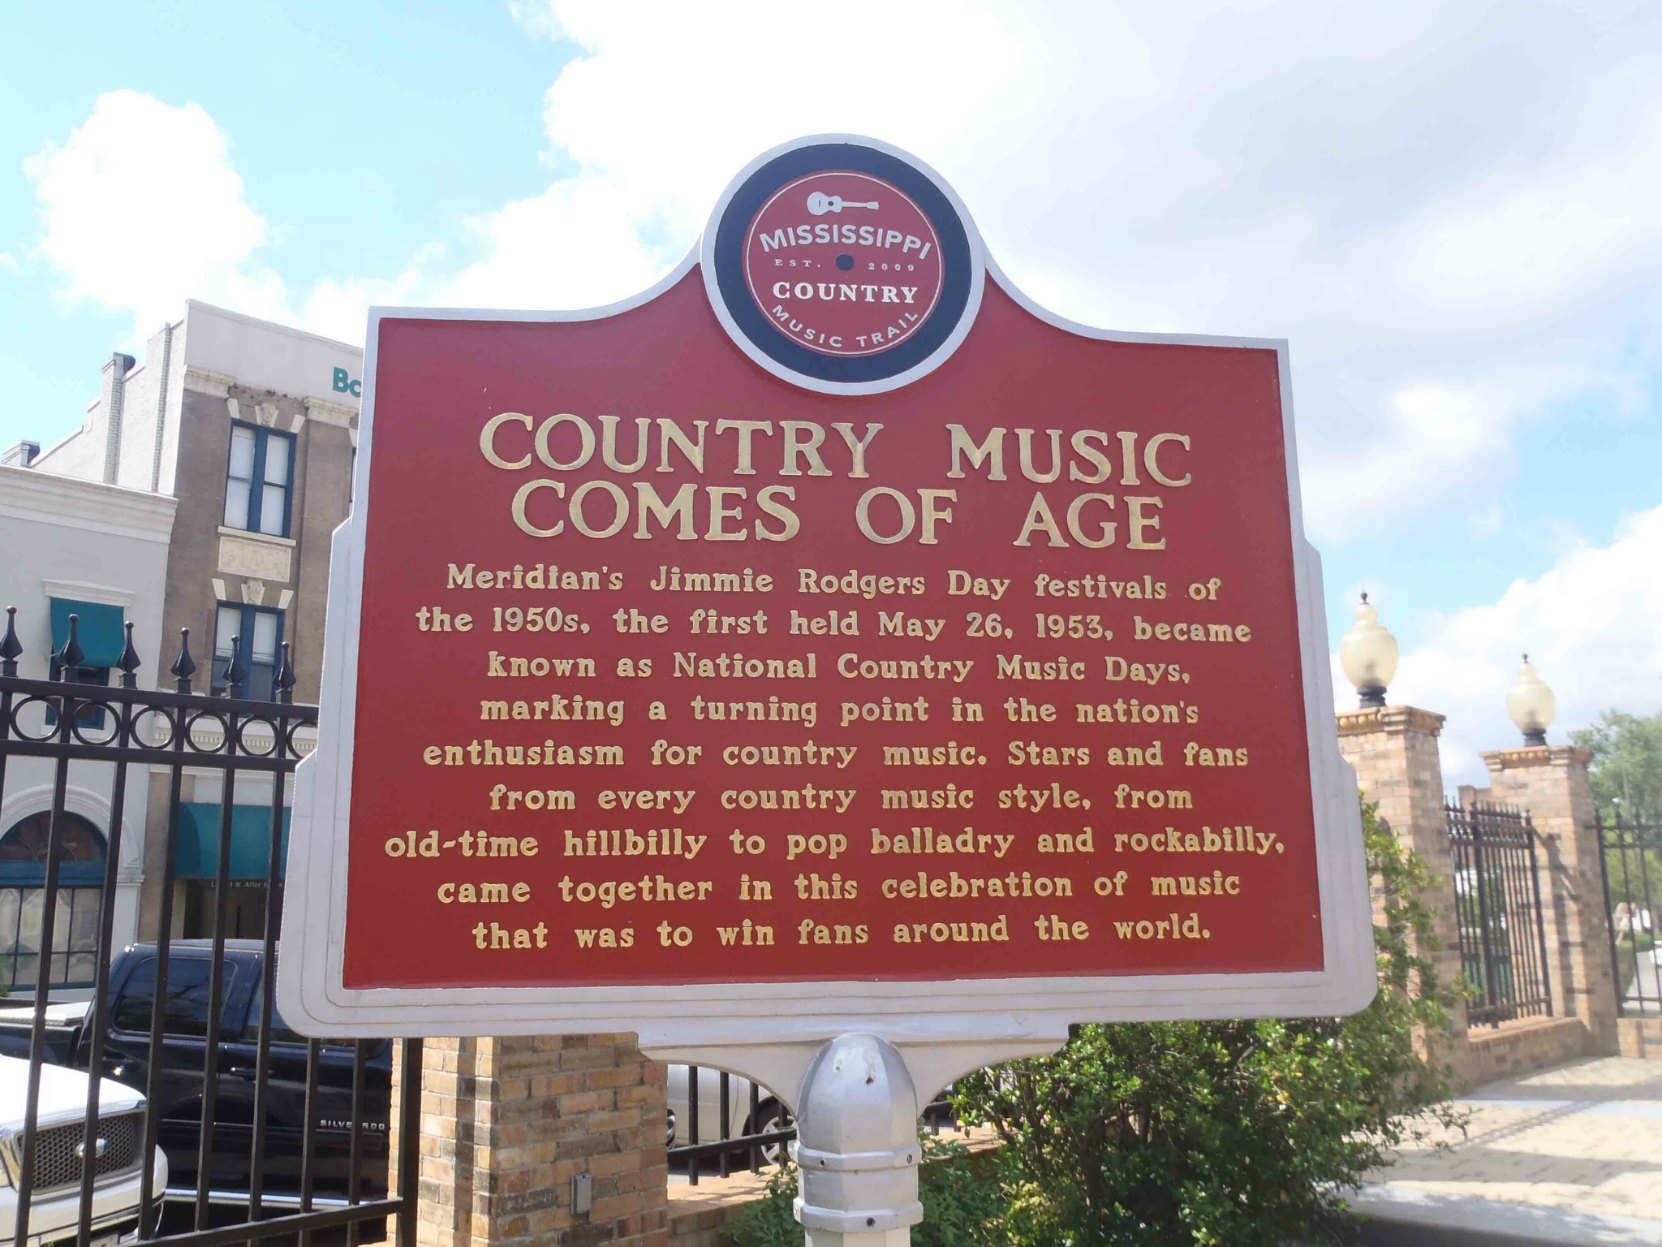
1242	1133
1626	771
1626	775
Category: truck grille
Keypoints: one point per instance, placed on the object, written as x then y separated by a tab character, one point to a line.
58	1150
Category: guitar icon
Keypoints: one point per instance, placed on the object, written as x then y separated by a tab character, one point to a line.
819	203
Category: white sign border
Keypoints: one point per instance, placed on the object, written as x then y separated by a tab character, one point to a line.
310	991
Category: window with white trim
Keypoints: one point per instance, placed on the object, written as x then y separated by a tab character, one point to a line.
259	480
261	631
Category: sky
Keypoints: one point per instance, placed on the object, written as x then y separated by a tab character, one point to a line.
1453	213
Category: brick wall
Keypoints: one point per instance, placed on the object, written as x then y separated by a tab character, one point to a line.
1516	1048
506	1124
1640	1038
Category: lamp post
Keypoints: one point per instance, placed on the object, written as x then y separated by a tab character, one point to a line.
1531	704
1368	654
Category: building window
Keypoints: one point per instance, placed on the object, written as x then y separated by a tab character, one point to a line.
261	631
100	634
259	480
73	961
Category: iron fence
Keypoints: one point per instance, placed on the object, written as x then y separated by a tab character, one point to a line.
1631	854
729	1123
273	1135
1497	893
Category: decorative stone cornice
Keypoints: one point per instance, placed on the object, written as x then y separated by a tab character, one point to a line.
247	534
46	497
204	382
1389	720
1562	756
325	412
81	591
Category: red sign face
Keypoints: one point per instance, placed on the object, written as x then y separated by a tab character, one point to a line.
721	668
674	674
844	263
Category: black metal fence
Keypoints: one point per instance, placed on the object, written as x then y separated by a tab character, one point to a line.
266	1134
1497	893
726	1123
1631	854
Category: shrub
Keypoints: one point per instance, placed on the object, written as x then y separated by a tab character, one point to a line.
1242	1133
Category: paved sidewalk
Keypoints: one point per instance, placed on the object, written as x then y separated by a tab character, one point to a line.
1572	1155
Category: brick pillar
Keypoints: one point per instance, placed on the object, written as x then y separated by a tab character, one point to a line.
1550	782
1394	751
394	1102
506	1124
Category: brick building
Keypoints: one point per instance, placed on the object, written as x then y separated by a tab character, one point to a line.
252	428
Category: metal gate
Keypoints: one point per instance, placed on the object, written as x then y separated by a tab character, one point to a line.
1497	893
266	1133
1631	854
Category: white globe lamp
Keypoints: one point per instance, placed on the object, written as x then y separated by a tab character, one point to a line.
1368	654
1531	704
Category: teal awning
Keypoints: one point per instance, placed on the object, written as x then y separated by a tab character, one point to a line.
98	628
196	852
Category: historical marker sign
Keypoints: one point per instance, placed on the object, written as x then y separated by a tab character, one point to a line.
827	639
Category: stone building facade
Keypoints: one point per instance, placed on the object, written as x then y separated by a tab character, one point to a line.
98	552
252	428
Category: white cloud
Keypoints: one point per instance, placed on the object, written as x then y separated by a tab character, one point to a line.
1446	240
1592	624
336	307
664	102
581	243
1488	520
1432	435
1509	253
1452	212
140	208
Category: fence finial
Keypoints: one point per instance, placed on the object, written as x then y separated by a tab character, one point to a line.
71	655
184	666
129	662
236	671
282	687
10	646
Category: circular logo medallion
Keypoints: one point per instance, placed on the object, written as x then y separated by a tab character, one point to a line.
842	266
844	263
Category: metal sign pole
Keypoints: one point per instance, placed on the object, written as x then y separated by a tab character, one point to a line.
857	1148
856	1099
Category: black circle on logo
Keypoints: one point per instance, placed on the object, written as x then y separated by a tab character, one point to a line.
958	261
